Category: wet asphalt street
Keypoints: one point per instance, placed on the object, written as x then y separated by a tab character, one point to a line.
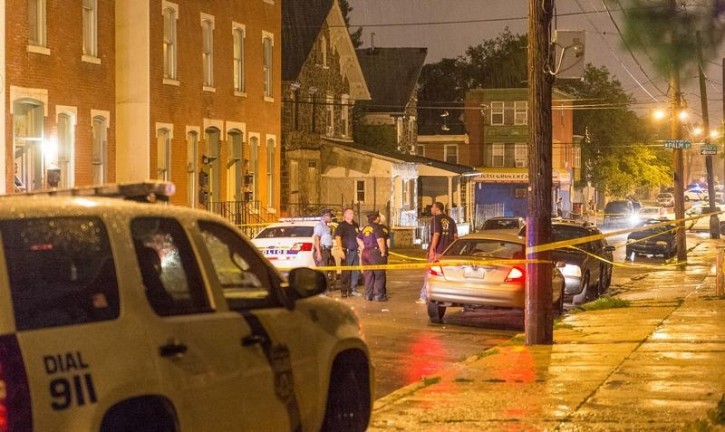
406	347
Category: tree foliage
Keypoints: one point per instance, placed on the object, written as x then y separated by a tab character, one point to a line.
614	143
665	30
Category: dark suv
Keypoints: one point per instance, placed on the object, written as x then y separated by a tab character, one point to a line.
619	213
588	270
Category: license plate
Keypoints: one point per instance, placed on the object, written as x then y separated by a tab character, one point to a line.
474	273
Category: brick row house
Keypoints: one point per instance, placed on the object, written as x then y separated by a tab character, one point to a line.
497	124
104	91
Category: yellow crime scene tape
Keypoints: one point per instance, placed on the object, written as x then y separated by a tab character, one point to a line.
422	263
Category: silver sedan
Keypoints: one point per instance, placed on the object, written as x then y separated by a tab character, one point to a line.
486	270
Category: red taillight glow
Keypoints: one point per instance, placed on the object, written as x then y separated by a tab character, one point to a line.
302	247
436	270
15	414
516	275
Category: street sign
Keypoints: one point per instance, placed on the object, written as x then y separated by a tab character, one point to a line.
678	144
708	149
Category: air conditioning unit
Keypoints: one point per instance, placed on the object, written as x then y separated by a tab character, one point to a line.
520	163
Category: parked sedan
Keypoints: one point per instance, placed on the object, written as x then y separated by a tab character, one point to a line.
588	269
483	270
503	224
695	195
666	199
658	237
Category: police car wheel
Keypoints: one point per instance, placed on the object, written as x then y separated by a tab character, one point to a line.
347	401
140	414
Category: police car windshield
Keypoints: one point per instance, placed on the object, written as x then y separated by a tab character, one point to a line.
286	231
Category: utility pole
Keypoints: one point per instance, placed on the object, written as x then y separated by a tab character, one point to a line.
676	134
539	315
714	221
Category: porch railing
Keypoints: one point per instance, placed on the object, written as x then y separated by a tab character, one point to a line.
249	216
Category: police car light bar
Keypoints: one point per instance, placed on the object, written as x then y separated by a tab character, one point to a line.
300	219
150	191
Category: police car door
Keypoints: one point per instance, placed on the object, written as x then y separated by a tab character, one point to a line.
67	362
285	340
198	345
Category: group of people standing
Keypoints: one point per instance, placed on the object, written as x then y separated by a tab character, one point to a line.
370	246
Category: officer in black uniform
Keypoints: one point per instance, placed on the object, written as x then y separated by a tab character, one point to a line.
372	241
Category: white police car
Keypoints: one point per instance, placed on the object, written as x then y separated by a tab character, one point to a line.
288	244
123	316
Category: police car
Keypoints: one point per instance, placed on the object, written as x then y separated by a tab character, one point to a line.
124	316
288	244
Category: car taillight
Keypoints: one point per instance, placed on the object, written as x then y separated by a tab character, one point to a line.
302	247
516	274
436	270
15	413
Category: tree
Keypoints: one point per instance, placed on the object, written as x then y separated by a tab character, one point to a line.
614	141
495	63
355	36
665	30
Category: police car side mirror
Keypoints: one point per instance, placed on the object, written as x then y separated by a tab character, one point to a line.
305	282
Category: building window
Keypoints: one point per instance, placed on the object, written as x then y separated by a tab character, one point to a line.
267	46
100	143
207	50
577	163
521	155
497	155
270	172
192	159
163	151
360	191
450	153
238	36
420	150
37	23
254	166
171	13
235	167
330	116
66	146
497	113
345	115
521	112
90	28
323	51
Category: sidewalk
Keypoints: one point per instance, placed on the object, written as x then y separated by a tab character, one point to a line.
656	365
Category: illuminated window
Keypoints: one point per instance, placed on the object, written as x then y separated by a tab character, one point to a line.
90	28
170	13
238	60
207	50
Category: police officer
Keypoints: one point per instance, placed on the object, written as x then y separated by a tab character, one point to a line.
322	245
372	241
346	239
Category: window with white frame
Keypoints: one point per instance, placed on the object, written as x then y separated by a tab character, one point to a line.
192	158
267	47
323	51
254	166
345	115
98	151
37	24
170	13
271	144
330	116
497	110
163	151
450	153
577	157
207	50
360	191
90	28
66	149
521	112
238	36
521	155
497	155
